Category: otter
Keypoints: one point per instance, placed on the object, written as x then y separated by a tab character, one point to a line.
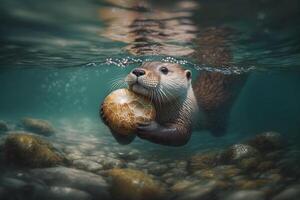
180	106
169	87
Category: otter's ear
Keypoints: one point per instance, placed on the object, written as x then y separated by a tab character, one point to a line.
188	74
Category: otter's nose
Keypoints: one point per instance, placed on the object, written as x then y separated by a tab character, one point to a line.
139	72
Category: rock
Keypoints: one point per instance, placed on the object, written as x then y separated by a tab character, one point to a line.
12	183
132	165
27	150
182	185
3	126
158	169
109	163
65	177
274	155
289	167
203	161
132	184
249	163
170	181
74	156
246	195
267	142
87	165
290	193
208	174
177	172
265	166
61	193
238	178
273	177
246	184
167	175
238	152
203	191
141	161
222	172
13	188
71	149
112	155
95	158
129	156
223	184
38	126
227	171
181	164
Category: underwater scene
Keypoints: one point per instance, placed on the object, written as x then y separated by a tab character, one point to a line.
149	100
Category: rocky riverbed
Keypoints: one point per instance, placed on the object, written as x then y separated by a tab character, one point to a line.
40	161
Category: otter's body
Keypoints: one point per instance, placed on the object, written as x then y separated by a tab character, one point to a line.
180	106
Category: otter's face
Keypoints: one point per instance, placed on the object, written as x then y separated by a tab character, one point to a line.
160	81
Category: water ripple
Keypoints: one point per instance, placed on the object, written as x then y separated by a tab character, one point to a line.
129	61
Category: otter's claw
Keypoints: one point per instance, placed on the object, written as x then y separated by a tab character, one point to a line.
147	129
148	126
142	124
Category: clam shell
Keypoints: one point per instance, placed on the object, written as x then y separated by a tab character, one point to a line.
124	110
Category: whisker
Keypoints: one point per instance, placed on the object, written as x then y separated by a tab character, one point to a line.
117	83
118	77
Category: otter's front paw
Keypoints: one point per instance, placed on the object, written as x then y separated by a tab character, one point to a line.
147	130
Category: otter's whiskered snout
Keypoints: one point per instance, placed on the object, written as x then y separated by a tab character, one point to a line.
142	81
162	82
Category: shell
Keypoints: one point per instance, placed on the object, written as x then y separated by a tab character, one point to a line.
124	110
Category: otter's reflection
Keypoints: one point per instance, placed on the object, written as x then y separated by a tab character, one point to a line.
150	30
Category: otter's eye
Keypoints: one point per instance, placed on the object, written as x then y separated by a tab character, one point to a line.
164	70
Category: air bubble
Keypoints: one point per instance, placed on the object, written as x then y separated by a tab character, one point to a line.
128	61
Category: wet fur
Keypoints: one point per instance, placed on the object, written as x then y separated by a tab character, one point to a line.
216	92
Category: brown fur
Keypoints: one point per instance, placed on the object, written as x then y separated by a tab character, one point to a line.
216	92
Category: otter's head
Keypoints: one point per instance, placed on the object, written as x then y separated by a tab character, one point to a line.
160	81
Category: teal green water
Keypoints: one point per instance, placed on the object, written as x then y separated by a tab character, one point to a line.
269	100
